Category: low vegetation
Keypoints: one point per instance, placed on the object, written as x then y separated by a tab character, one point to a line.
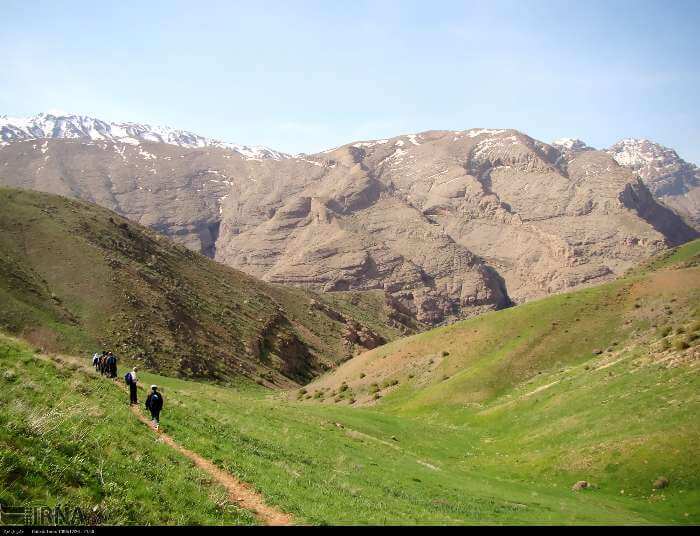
578	408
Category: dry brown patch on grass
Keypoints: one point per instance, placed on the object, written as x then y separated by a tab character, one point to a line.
666	282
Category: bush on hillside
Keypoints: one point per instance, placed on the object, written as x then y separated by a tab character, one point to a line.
681	344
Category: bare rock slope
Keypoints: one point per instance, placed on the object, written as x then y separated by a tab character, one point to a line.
447	224
670	178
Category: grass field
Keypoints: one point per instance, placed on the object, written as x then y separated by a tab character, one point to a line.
68	438
490	420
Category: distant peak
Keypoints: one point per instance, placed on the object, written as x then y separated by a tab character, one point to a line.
56	124
571	144
638	152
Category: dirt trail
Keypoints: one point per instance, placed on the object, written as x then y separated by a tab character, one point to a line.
239	492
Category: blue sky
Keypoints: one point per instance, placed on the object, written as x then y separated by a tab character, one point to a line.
308	75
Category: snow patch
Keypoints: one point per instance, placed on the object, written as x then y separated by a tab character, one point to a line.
64	126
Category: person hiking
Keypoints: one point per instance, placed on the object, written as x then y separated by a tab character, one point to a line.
154	403
96	361
112	365
103	363
132	381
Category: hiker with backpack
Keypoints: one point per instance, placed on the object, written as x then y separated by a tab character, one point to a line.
112	365
96	361
131	380
154	403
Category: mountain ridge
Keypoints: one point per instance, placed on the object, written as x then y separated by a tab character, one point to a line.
447	224
75	126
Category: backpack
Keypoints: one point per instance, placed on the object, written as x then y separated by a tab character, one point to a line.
156	401
128	378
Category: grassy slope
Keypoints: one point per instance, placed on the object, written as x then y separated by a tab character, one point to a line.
496	431
373	468
381	468
505	437
535	403
67	438
74	276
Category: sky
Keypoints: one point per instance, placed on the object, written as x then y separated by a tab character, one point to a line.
303	76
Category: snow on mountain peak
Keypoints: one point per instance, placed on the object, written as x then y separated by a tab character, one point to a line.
570	144
54	124
638	153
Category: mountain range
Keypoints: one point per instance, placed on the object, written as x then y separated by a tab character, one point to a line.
447	224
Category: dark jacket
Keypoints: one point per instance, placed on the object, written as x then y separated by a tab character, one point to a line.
154	401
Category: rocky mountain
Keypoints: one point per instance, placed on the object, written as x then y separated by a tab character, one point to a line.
670	178
571	144
69	126
446	223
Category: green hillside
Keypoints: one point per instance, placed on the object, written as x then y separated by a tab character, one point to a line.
516	406
75	277
599	385
70	439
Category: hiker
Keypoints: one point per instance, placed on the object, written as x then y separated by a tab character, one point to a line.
154	403
96	361
112	365
103	363
131	380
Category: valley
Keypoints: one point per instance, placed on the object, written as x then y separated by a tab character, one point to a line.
492	432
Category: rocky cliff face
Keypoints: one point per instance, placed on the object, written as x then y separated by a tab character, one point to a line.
446	223
669	178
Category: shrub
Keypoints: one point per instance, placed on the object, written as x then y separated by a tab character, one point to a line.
362	375
343	387
665	331
373	388
681	344
445	353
